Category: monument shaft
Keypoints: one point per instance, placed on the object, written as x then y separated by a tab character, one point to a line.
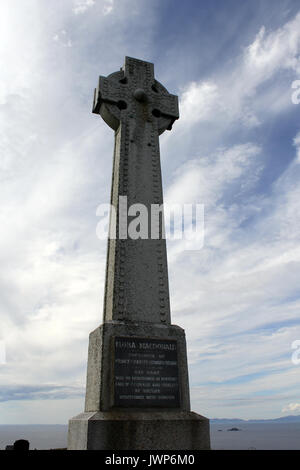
137	277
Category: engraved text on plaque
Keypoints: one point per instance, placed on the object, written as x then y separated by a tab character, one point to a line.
145	372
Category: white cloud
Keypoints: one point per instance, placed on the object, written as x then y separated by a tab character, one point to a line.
52	258
82	5
108	7
206	178
274	50
291	408
243	285
234	95
62	38
218	181
199	101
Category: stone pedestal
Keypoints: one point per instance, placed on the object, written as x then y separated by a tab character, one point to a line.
172	430
105	425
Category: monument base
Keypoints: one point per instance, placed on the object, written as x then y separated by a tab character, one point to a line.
149	430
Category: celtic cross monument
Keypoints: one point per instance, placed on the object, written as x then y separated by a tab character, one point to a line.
137	393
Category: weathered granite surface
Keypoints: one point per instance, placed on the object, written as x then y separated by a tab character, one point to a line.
139	430
136	303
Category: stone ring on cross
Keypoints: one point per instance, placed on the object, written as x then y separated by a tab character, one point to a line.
133	91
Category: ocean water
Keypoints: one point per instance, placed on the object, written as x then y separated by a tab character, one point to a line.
261	436
40	437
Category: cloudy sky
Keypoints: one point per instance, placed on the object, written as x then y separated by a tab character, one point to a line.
235	149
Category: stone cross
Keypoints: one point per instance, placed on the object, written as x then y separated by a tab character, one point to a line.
139	109
137	389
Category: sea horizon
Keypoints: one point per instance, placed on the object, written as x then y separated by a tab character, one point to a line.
226	434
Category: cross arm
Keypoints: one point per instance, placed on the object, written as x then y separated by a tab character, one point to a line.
168	105
107	91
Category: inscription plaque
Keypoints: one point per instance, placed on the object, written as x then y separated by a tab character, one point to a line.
145	373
